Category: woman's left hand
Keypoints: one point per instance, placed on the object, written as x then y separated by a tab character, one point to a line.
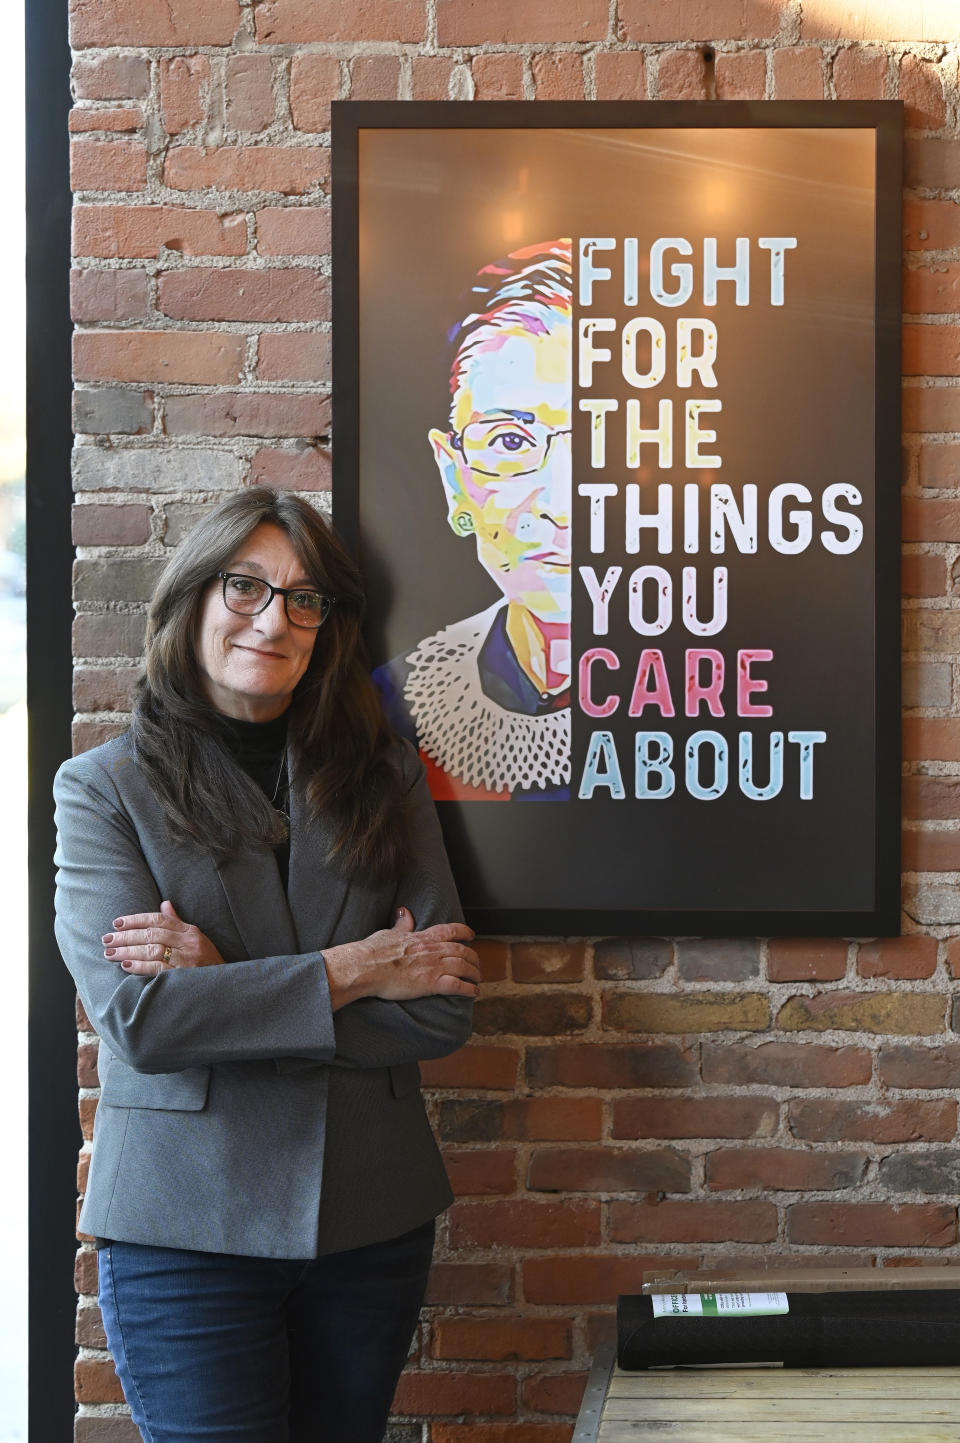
148	943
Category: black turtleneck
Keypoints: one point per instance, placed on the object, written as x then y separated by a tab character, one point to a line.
260	749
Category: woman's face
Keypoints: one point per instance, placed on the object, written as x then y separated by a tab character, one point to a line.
249	665
506	463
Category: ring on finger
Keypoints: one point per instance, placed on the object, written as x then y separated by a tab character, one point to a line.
167	953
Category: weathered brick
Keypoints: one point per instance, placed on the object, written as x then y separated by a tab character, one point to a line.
465	22
932	905
953	955
474	1066
803	959
229	414
879	20
919	1225
925	851
741	75
205	358
108	165
935	1171
499	1433
925	1067
139	232
314	82
694	1012
786	1064
427	1394
180	517
294	356
119	579
113	412
266	168
293	231
931	798
96	1381
935	631
206	294
730	959
682	75
931	224
570	1281
931	408
932	289
300	468
184	85
502	1339
694	1117
481	1173
542	1015
859	74
902	957
103	688
921	89
554	961
825	1120
479	1119
898	1013
152	22
85	1271
285	22
374	77
933	164
595	1065
554	1392
89	1331
655	20
931	739
249	102
96	1428
108	633
87	734
116	119
95	469
99	295
111	525
494	954
693	1222
620	75
430	77
498	77
607	1169
630	960
784	1169
558	76
87	1067
939	464
470	1285
798	73
524	1224
922	575
931	350
110	77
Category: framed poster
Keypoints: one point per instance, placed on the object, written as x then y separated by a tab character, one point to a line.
617	446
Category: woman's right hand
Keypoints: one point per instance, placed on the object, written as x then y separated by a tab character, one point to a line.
399	963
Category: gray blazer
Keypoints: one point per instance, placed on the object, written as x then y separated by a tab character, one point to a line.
238	1114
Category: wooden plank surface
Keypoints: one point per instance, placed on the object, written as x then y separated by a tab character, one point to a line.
718	1432
879	1383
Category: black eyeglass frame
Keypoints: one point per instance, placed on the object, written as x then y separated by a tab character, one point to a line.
285	591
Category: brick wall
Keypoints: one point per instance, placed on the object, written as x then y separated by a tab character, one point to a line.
624	1102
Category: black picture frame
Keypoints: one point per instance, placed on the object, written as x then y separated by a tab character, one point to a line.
842	876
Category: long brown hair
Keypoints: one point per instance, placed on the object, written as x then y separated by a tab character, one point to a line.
343	755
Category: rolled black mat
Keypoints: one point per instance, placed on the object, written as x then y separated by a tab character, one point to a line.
895	1329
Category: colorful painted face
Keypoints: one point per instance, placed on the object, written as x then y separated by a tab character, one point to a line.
249	665
505	463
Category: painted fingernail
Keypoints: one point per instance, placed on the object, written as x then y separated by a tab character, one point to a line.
118	922
126	966
106	938
109	951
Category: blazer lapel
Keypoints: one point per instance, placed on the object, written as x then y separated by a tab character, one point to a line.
317	891
255	896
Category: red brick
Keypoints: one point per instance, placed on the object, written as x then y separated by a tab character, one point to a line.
929	631
184	85
904	957
558	76
682	76
494	956
314	82
694	1117
569	1281
930	852
620	75
301	468
429	1394
897	1013
523	1224
931	408
498	77
108	165
110	77
931	225
547	1119
786	1064
932	163
824	1120
931	739
430	77
111	525
607	1169
225	414
501	1340
799	959
110	633
102	688
284	22
689	1012
205	294
486	1172
85	1271
87	734
97	295
474	1066
115	119
931	798
83	1168
542	1014
600	1066
859	74
152	22
268	168
548	961
939	466
879	20
741	75
139	232
89	1331
538	22
931	350
554	1392
923	575
921	87
784	1169
470	1284
798	74
693	1222
87	1066
293	231
83	1021
500	1433
953	956
926	1067
656	20
249	98
96	1382
193	358
919	1225
374	77
932	289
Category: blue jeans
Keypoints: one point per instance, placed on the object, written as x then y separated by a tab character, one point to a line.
218	1348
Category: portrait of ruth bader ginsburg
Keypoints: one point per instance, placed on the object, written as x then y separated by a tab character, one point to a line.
487	699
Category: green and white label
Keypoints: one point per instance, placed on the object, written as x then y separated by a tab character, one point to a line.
718	1305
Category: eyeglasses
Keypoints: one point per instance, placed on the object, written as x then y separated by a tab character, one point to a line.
508	447
249	595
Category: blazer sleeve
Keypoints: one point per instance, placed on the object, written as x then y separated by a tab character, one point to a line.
373	1032
185	1017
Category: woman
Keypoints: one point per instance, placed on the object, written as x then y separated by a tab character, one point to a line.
240	876
487	700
